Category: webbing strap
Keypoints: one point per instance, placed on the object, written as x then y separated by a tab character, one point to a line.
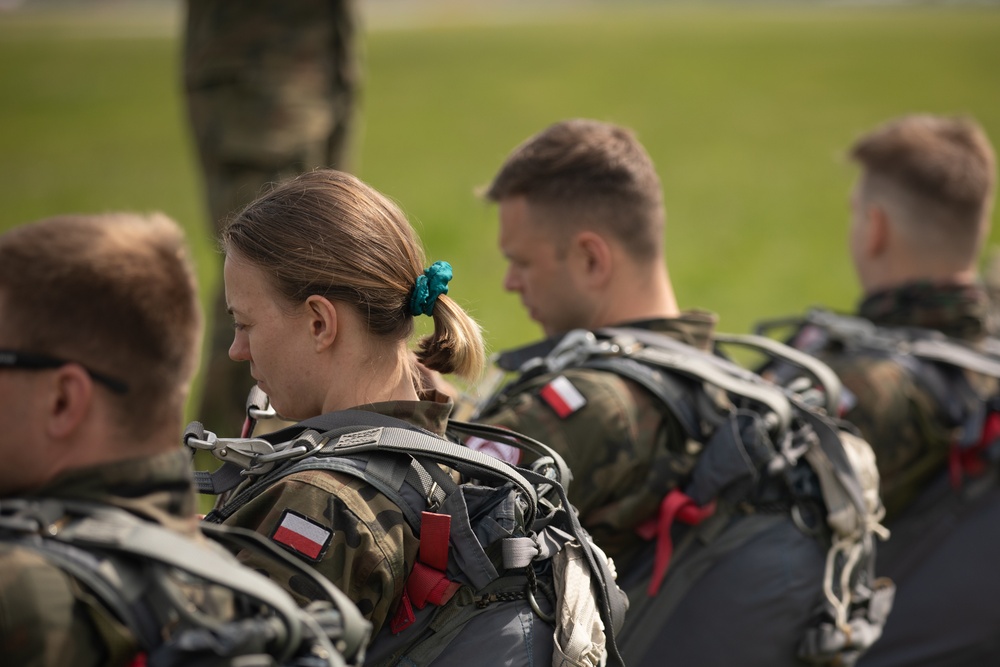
503	435
83	566
923	343
969	460
518	552
416	443
427	581
822	373
429	585
226	477
736	380
435	530
114	530
676	505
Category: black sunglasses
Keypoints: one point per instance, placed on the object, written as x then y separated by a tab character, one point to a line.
28	361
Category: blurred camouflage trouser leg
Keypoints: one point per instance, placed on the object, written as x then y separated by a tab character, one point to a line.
270	87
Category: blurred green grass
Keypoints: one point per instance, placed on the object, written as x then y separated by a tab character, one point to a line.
745	111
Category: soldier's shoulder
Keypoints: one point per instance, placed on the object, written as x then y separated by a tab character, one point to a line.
37	597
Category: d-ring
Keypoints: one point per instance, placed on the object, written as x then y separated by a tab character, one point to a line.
548	618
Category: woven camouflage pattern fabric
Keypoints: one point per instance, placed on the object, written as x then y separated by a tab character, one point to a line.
47	618
625	449
371	548
898	416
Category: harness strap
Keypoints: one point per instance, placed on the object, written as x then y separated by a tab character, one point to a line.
435	530
970	461
820	372
679	357
427	581
676	505
111	531
225	478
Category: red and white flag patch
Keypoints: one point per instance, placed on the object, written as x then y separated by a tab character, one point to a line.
563	397
498	450
302	535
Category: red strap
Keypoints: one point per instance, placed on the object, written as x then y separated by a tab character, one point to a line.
404	616
435	530
139	660
676	505
969	460
426	584
427	581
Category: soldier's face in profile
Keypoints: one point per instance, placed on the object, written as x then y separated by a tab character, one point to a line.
539	270
270	335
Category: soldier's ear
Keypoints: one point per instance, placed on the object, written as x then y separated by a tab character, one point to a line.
68	400
321	316
878	231
595	256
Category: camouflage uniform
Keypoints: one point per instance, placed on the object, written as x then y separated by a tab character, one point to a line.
944	546
901	420
627	451
371	547
46	616
270	87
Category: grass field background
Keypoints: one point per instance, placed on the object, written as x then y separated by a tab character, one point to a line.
746	111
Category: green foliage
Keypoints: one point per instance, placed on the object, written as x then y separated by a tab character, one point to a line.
746	113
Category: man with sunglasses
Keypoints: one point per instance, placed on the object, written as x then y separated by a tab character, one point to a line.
99	335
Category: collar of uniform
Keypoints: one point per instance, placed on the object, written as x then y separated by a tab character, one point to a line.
431	415
156	487
959	311
692	327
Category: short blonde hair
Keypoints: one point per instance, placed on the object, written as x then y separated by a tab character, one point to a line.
115	292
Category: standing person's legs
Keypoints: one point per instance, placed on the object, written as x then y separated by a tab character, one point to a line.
271	87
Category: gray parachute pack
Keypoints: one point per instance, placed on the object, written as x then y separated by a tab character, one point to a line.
762	443
511	535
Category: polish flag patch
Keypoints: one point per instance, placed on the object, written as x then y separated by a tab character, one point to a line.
498	450
563	397
302	535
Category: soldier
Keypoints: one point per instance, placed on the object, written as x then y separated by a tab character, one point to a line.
271	89
581	227
324	277
99	331
920	212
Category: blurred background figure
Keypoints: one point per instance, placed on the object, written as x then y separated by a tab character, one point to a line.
922	380
271	89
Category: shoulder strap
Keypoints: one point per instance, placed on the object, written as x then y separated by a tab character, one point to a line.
109	530
923	343
366	433
665	352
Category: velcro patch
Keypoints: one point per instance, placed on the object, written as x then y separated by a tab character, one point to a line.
302	535
847	401
563	397
498	450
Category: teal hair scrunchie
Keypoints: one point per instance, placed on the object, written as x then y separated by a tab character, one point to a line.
428	287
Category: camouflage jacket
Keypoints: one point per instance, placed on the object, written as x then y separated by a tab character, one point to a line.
350	533
885	399
626	450
47	618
